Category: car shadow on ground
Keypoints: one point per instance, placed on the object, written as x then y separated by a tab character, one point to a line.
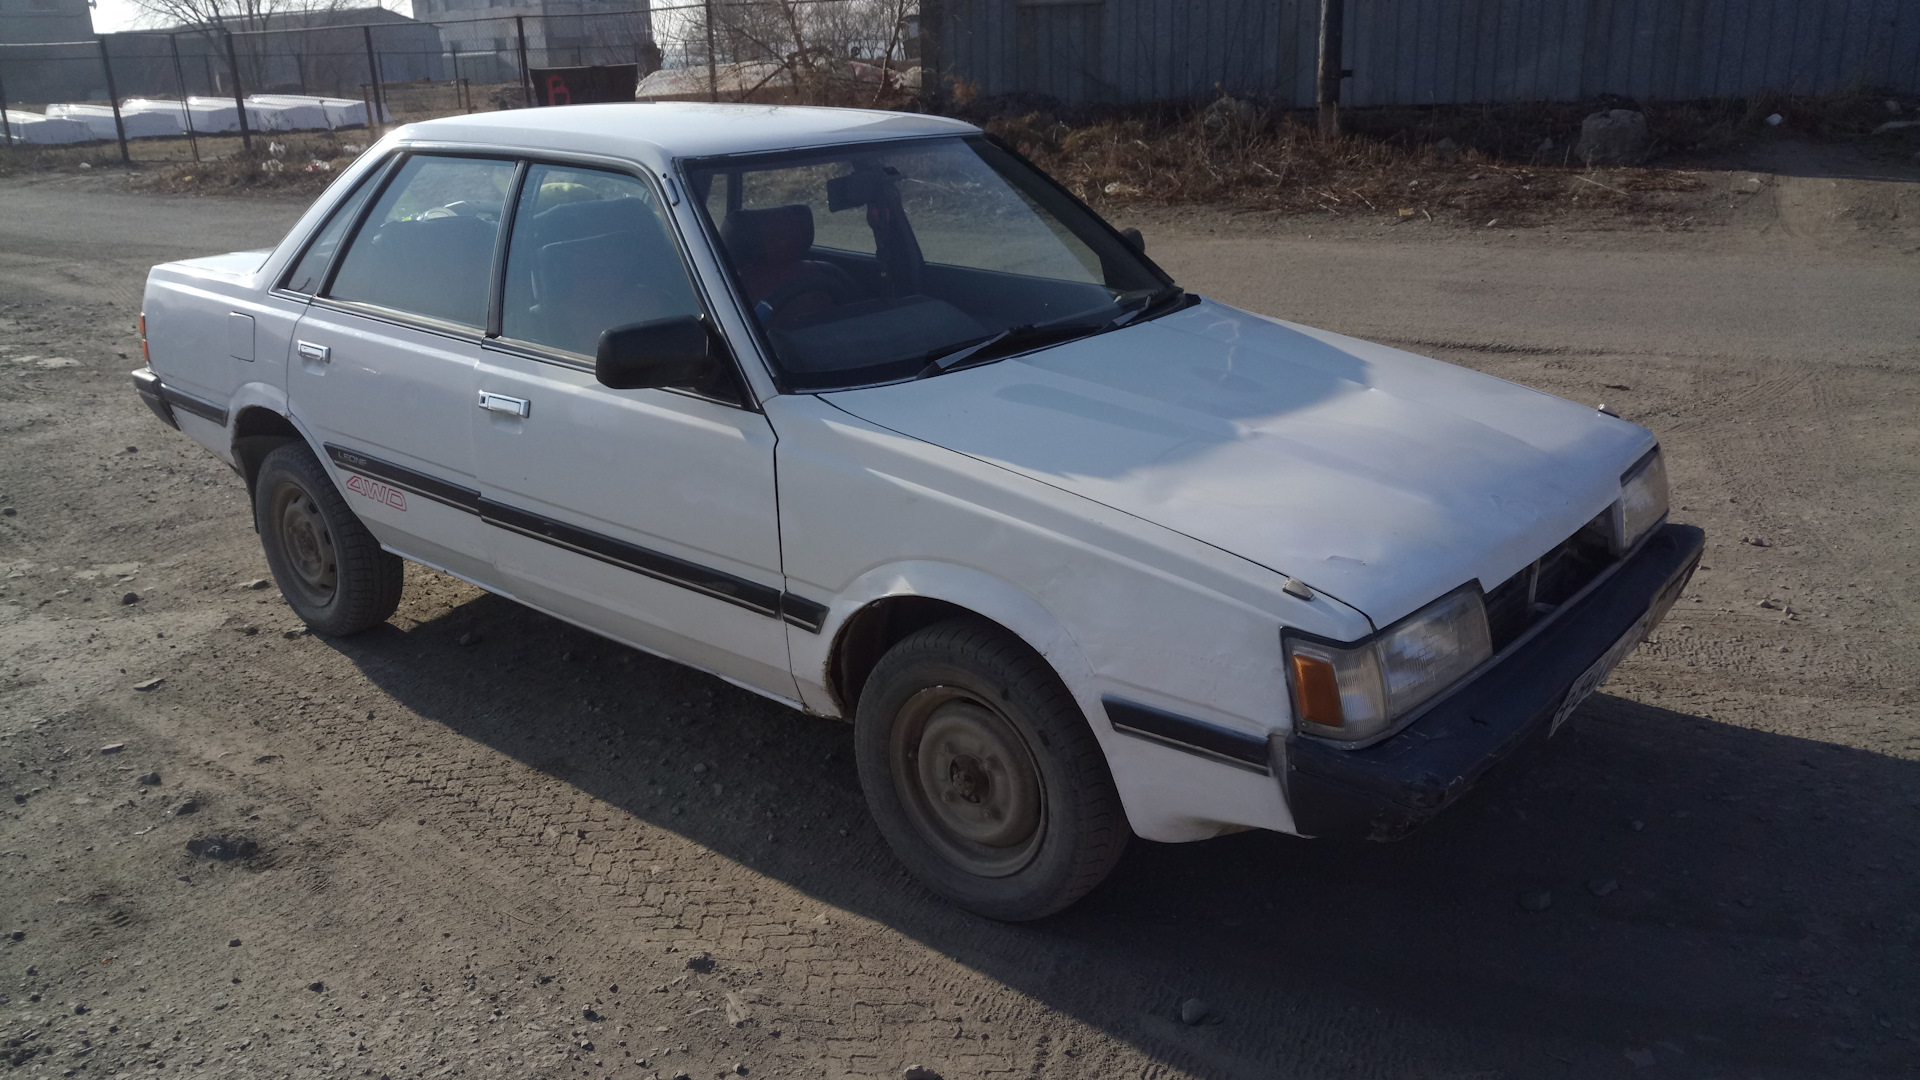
1709	896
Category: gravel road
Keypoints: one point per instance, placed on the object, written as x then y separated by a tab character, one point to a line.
481	843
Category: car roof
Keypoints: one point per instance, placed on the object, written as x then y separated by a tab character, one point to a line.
659	131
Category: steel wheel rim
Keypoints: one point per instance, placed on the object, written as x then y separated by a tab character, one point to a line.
968	782
306	543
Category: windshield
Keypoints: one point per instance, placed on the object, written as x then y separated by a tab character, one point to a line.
865	263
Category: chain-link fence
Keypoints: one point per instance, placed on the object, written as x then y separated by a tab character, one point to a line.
186	92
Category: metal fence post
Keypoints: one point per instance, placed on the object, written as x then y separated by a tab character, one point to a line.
373	75
526	73
239	96
713	70
1333	19
933	95
186	112
6	126
113	99
453	50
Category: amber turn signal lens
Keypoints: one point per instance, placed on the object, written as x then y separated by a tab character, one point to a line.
1317	691
144	354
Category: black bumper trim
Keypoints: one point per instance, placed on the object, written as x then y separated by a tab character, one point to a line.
1383	791
148	386
1185	733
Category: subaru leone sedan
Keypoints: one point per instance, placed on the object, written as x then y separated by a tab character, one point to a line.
862	412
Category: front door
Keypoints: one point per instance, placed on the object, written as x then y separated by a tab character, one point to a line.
384	360
648	515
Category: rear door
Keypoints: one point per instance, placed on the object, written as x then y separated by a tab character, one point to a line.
384	360
648	515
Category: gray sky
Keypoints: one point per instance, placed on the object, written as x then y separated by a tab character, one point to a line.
110	15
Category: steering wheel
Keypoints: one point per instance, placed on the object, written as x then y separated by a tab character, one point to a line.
819	277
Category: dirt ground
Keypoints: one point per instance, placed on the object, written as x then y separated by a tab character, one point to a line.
481	843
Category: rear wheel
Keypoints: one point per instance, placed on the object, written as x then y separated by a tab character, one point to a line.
983	775
331	570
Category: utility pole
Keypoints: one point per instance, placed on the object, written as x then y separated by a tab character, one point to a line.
239	96
1333	17
186	111
113	99
379	105
526	73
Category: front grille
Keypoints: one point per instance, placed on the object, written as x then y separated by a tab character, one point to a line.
1539	589
1509	609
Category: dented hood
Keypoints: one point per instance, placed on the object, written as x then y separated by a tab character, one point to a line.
1379	477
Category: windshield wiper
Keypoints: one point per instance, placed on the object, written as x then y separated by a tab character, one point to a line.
1030	335
1159	298
1011	340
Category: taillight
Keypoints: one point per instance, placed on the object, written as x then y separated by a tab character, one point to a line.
145	356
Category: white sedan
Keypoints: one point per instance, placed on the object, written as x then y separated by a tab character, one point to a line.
862	412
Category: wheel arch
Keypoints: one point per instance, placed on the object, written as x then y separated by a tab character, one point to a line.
885	606
257	431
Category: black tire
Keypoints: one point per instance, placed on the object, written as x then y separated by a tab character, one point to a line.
331	570
983	775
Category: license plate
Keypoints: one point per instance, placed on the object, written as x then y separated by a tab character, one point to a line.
1590	680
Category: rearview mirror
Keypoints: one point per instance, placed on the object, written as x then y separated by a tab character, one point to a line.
663	352
1133	237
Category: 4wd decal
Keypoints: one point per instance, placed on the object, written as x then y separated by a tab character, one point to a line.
378	492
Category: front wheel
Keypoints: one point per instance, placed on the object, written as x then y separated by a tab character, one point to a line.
982	773
331	570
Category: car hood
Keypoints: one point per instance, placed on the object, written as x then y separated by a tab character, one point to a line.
1379	477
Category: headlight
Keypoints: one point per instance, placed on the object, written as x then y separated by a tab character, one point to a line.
1357	691
1643	499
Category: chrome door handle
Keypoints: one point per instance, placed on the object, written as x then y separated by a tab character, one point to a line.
501	403
309	351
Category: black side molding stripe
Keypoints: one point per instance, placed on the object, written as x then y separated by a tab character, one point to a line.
198	406
755	597
802	612
419	483
720	585
1197	737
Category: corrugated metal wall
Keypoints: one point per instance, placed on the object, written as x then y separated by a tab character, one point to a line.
1408	52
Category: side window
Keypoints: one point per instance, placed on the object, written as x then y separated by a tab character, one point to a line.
427	247
590	251
311	270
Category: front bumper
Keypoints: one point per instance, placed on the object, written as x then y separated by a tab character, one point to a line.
1382	791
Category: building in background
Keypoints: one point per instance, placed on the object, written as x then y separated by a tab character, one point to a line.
49	72
481	37
300	52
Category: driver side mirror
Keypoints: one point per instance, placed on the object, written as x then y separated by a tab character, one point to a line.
1132	236
662	352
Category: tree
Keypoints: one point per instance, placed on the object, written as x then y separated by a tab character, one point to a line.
212	19
834	52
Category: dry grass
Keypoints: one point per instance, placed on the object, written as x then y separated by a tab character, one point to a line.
1511	164
1283	165
280	164
303	163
